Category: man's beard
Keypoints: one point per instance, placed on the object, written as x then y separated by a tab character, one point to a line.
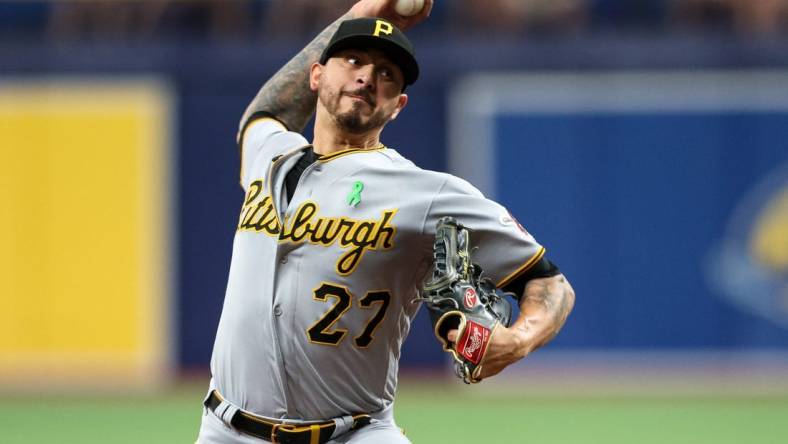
353	120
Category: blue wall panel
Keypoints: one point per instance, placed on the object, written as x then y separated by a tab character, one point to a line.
631	206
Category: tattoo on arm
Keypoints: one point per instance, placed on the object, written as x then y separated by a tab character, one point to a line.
287	95
554	297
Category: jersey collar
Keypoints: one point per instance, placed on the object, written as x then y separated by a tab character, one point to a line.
345	152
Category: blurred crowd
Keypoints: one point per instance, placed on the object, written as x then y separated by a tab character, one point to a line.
102	20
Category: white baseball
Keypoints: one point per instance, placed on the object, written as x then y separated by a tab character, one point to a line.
407	8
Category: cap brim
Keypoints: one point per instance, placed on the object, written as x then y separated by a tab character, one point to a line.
400	56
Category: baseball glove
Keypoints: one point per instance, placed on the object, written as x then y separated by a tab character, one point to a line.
458	297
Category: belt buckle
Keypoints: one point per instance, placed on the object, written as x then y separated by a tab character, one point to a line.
281	425
313	429
273	433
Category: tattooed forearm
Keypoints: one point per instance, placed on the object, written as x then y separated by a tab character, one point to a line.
287	95
547	303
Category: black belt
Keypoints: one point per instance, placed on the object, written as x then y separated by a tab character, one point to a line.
279	432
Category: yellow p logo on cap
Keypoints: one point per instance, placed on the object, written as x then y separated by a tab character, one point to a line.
384	27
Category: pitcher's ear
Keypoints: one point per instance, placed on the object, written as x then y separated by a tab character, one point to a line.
315	72
401	102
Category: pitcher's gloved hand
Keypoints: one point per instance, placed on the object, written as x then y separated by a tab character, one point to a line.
462	301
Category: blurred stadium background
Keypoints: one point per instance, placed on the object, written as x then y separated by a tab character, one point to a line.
645	143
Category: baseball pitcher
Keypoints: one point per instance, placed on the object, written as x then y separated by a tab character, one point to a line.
339	242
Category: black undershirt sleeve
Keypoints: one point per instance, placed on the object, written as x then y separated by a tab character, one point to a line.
542	269
291	180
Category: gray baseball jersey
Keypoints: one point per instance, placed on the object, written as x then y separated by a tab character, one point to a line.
320	288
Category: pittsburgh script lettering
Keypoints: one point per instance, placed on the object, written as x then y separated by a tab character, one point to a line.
358	236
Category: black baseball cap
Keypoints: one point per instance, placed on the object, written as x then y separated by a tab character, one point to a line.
377	33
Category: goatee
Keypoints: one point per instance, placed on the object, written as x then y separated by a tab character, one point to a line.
353	120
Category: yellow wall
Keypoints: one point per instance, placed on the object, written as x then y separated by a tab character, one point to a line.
84	189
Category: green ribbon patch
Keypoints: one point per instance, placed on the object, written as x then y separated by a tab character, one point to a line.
354	198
